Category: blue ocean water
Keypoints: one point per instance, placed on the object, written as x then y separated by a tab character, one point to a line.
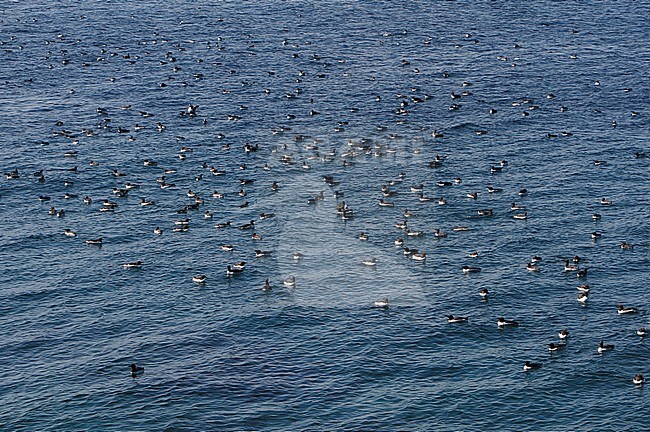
365	82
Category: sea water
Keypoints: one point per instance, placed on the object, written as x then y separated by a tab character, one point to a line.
569	84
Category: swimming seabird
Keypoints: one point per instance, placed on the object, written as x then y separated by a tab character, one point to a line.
532	267
199	279
552	347
249	225
371	262
569	267
439	234
230	270
239	266
468	269
381	303
602	347
514	206
420	256
531	366
409	251
502	322
626	310
136	370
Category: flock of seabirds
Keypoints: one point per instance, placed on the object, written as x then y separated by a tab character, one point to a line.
165	180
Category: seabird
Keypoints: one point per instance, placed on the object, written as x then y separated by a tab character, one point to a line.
136	370
531	366
502	322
